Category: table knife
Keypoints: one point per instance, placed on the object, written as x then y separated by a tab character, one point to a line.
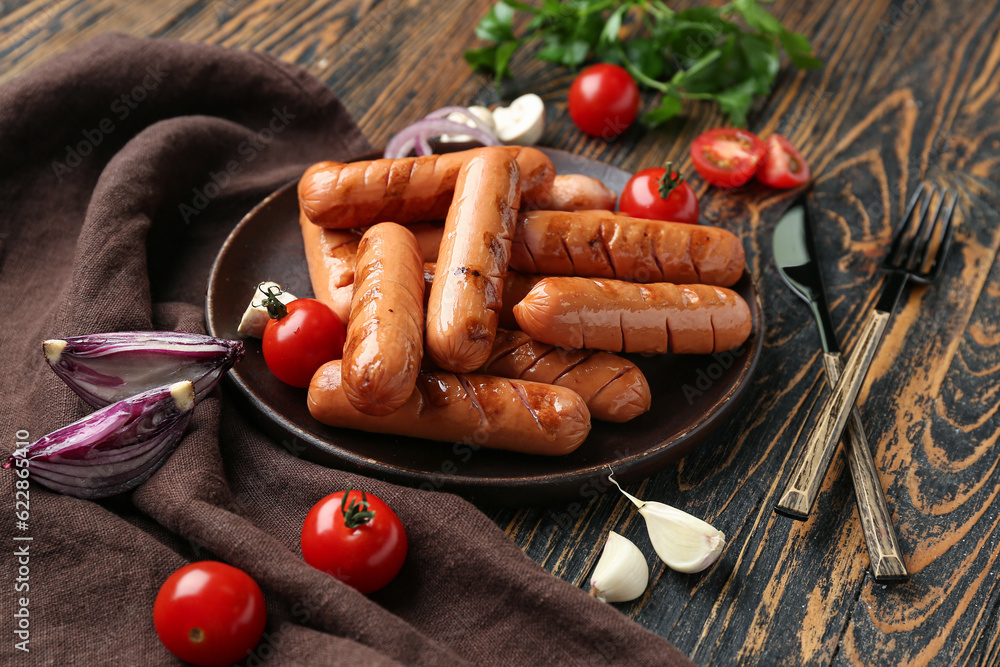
795	255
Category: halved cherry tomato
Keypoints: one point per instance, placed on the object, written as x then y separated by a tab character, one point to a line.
659	194
727	156
783	165
356	538
301	336
604	100
209	613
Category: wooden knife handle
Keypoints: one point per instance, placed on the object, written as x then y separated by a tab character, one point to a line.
814	461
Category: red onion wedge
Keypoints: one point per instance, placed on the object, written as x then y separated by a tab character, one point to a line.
104	368
114	449
400	145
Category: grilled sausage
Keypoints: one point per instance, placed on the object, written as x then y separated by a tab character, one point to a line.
337	196
627	317
614	389
469	276
476	409
385	337
515	287
576	192
330	254
600	244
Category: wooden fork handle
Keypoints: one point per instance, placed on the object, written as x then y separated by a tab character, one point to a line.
876	521
814	461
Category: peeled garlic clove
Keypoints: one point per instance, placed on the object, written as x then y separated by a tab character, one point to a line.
482	113
523	122
621	573
682	541
255	317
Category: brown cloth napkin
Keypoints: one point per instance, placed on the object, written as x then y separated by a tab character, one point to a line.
126	162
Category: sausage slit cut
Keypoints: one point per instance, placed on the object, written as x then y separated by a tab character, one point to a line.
621	325
711	323
537	359
569	255
527	250
659	264
571	366
622	371
670	336
474	399
606	248
519	390
694	264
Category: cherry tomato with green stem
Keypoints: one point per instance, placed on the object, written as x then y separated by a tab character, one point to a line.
209	613
356	538
660	194
604	100
300	337
783	165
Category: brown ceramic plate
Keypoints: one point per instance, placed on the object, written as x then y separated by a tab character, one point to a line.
692	394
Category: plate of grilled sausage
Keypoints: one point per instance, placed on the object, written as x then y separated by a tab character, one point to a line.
509	336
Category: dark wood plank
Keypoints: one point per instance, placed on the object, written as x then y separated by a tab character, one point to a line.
910	91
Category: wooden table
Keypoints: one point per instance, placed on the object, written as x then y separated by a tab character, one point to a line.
910	91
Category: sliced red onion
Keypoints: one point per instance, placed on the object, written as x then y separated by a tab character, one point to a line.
444	112
434	127
104	368
114	449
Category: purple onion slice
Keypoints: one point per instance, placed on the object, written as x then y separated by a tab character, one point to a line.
433	127
114	449
104	368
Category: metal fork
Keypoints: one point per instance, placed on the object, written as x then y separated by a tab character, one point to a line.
912	244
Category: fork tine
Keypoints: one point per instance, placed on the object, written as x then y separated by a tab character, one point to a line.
924	235
891	260
946	236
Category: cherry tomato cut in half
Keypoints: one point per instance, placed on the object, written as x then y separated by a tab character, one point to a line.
782	166
659	194
209	613
301	336
727	157
355	537
603	100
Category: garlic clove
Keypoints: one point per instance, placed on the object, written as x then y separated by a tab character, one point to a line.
255	317
523	122
482	113
682	541
621	573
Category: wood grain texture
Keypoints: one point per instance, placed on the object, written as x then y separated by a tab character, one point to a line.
910	91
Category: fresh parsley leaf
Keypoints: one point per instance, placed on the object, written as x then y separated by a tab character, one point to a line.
729	55
498	24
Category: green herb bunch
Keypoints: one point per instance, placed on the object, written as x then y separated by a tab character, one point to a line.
728	54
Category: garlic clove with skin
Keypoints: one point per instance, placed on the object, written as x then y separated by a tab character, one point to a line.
523	122
682	541
621	573
482	113
255	317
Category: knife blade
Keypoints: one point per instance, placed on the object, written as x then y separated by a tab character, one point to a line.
795	255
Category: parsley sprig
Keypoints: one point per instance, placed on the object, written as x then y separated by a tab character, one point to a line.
728	54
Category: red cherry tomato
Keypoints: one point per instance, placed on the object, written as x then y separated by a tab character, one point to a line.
726	156
209	613
307	336
603	100
659	194
783	165
356	538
